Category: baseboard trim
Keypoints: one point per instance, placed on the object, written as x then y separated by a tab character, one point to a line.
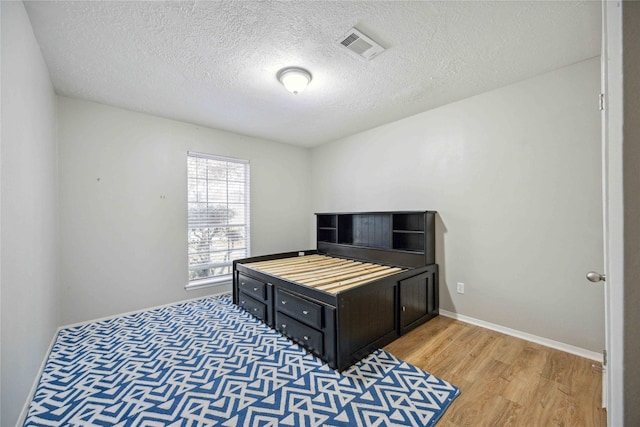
220	283
567	348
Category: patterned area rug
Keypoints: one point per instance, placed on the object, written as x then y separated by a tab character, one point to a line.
206	363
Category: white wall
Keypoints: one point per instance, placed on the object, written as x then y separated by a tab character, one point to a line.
123	247
29	274
515	176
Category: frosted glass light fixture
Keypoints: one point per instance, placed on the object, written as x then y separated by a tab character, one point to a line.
294	79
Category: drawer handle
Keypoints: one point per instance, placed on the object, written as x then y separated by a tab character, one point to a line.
255	309
305	312
306	338
283	302
284	325
242	283
255	289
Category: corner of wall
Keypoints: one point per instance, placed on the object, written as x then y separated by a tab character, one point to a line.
28	272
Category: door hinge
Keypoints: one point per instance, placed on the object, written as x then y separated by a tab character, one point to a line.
601	101
603	367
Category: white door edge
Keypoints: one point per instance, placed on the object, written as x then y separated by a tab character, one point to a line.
613	210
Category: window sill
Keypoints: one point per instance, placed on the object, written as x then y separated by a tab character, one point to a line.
208	282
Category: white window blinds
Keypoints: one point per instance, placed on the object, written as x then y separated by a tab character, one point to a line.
218	214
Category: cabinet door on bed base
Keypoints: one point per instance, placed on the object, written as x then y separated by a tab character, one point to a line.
366	321
418	299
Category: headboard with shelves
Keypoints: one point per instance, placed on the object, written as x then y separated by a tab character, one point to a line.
403	238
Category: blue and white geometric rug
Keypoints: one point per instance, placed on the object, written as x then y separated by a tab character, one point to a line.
208	363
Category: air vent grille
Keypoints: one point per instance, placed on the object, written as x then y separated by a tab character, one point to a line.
350	39
360	44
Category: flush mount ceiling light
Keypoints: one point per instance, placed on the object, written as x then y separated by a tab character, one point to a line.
294	79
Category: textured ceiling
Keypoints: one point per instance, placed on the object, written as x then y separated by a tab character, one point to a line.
214	63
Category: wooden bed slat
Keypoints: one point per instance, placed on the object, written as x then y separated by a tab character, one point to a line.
290	262
287	261
340	286
323	272
341	276
302	268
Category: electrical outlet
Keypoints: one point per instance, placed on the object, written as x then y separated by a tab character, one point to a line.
300	253
460	288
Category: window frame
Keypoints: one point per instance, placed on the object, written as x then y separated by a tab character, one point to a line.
225	278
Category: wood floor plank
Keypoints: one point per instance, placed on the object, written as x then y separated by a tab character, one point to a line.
423	345
523	387
504	381
531	360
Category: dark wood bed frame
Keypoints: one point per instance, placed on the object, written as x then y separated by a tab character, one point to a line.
341	328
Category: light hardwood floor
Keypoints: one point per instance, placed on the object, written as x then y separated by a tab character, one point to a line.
504	381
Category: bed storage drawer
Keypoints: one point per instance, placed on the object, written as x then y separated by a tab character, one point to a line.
253	306
253	287
301	333
299	308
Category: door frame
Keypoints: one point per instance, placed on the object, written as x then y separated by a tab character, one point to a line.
613	197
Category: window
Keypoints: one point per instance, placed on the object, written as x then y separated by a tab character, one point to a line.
218	214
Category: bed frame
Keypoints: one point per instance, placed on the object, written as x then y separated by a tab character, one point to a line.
372	278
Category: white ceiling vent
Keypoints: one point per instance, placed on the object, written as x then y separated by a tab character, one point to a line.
360	44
